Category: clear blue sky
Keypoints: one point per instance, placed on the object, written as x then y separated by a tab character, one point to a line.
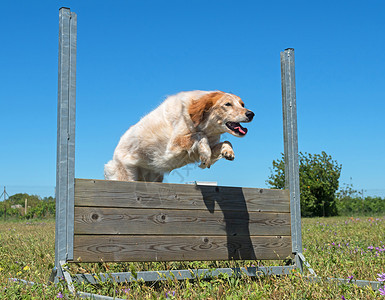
131	54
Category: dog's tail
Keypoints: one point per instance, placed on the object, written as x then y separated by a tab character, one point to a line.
110	170
114	170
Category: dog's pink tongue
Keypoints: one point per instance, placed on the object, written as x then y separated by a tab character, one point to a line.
241	130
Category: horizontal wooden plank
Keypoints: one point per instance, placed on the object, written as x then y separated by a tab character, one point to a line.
104	193
101	220
121	248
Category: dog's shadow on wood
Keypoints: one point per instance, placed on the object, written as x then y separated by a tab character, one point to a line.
231	201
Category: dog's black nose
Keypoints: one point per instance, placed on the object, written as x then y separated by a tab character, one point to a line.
250	115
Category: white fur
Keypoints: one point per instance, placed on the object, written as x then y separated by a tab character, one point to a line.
167	138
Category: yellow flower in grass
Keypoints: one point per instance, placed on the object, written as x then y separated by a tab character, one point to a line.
26	268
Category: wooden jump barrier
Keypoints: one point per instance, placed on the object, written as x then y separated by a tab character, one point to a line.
112	221
138	221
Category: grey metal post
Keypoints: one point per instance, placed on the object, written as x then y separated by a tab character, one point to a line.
289	108
65	166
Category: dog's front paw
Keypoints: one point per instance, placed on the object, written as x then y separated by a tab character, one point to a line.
228	154
227	151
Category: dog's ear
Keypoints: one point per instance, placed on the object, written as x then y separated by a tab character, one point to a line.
198	108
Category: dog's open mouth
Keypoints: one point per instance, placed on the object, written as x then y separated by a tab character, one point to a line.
236	128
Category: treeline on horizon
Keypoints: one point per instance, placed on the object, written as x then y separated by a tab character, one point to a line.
348	203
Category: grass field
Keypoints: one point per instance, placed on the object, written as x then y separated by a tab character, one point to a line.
335	247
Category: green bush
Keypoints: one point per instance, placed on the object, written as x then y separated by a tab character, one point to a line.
42	210
319	178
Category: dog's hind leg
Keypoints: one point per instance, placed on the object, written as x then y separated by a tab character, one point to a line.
155	177
149	175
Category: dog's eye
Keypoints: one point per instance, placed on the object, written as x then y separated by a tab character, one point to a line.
228	104
243	104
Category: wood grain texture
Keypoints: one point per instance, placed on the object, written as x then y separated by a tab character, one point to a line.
122	248
103	193
139	221
100	220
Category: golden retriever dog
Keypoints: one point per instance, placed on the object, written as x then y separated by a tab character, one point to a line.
184	129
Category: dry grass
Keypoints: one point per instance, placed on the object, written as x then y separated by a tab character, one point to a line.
335	247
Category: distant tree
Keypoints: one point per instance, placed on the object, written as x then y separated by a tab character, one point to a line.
37	207
351	203
50	198
42	210
20	199
319	178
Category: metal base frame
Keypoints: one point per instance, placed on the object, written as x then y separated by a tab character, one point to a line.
153	276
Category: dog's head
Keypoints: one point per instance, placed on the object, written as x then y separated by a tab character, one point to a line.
219	112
